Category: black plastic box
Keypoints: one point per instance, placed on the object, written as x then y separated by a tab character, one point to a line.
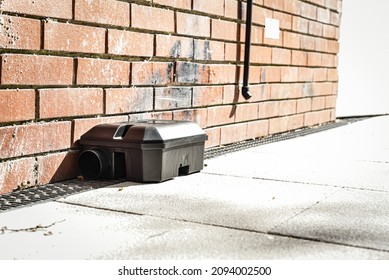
145	151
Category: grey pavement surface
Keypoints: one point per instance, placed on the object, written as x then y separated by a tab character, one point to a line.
321	196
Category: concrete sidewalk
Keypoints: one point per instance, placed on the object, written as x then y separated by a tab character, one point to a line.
321	196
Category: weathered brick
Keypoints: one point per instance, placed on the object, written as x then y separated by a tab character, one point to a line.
315	28
318	103
332	75
57	167
208	50
213	137
73	102
235	52
291	40
278	125
257	129
16	141
260	92
314	59
292	6
118	12
163	115
182	4
80	126
129	43
287	107
188	72
260	14
19	33
128	100
304	105
289	74
152	73
73	38
259	54
45	8
172	98
145	17
20	69
300	24
299	58
221	115
284	19
224	30
307	42
231	94
284	91
102	72
17	173
268	109
17	105
320	74
233	133
207	96
330	101
281	56
271	74
222	74
295	122
308	10
231	9
274	42
198	116
174	46
195	25
306	74
274	4
246	112
214	7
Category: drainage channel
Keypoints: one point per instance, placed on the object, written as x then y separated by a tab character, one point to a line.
239	146
39	194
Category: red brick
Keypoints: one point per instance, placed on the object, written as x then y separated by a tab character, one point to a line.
173	98
174	46
222	74
292	6
208	50
273	42
97	11
329	31
295	122
291	40
231	94
207	96
193	25
165	115
80	126
283	91
45	8
233	133
318	103
213	137
231	8
332	47
260	92
224	30
102	72
128	100
300	24
315	28
308	11
287	107
281	56
12	100
306	74
304	105
129	43
323	15
274	4
312	118
307	43
198	116
332	75
314	59
188	72
19	33
321	45
16	174
19	69
152	73
57	167
182	4
299	58
74	102
284	19
278	125
335	19
330	101
16	141
73	38
260	54
214	7
271	74
221	115
320	74
151	18
257	129
260	14
328	60
246	112
289	74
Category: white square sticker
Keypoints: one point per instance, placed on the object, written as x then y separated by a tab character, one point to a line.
272	28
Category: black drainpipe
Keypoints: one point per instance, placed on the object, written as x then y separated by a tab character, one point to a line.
249	15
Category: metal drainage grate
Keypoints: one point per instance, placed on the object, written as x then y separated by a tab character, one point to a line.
54	191
222	150
48	192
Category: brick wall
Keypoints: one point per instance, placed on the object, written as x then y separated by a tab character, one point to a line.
67	65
